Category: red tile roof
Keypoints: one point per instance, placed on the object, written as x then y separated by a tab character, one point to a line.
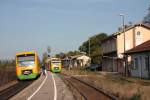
140	48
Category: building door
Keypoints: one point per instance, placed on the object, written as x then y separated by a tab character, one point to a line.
146	65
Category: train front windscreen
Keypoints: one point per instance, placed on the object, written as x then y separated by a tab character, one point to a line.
26	60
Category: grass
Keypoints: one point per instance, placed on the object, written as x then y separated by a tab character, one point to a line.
137	95
126	88
7	75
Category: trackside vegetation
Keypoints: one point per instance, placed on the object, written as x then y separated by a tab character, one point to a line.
7	71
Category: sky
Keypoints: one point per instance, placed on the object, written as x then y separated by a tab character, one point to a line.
63	25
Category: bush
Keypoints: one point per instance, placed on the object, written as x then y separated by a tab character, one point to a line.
7	63
7	71
137	95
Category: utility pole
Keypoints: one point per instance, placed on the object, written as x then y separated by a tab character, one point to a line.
89	48
49	51
124	57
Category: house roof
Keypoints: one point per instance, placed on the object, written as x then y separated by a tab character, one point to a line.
83	57
144	47
77	57
145	25
126	29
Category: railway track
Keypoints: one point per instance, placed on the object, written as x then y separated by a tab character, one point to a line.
14	89
87	91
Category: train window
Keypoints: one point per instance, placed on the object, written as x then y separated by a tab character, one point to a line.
26	60
26	63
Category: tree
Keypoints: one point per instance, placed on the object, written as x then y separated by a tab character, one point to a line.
7	63
61	55
48	50
68	54
147	17
95	47
73	53
125	26
44	57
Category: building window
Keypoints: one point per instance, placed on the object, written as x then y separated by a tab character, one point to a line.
146	63
135	63
138	33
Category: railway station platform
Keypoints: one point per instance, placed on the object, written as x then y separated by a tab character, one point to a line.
49	87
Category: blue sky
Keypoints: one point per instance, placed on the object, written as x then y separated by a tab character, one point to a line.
61	24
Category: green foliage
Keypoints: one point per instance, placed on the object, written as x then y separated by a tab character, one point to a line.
73	53
147	17
68	54
57	55
137	95
60	55
7	63
48	49
45	56
95	47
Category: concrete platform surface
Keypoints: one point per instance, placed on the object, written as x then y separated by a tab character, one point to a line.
49	87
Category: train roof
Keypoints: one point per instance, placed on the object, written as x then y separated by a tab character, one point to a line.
26	52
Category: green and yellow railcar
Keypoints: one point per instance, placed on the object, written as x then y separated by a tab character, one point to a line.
55	65
27	65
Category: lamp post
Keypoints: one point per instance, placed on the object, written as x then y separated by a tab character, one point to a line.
124	38
89	47
122	16
49	51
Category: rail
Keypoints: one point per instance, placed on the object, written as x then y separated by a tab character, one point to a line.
86	90
14	89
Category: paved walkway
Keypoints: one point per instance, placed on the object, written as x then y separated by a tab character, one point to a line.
49	87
